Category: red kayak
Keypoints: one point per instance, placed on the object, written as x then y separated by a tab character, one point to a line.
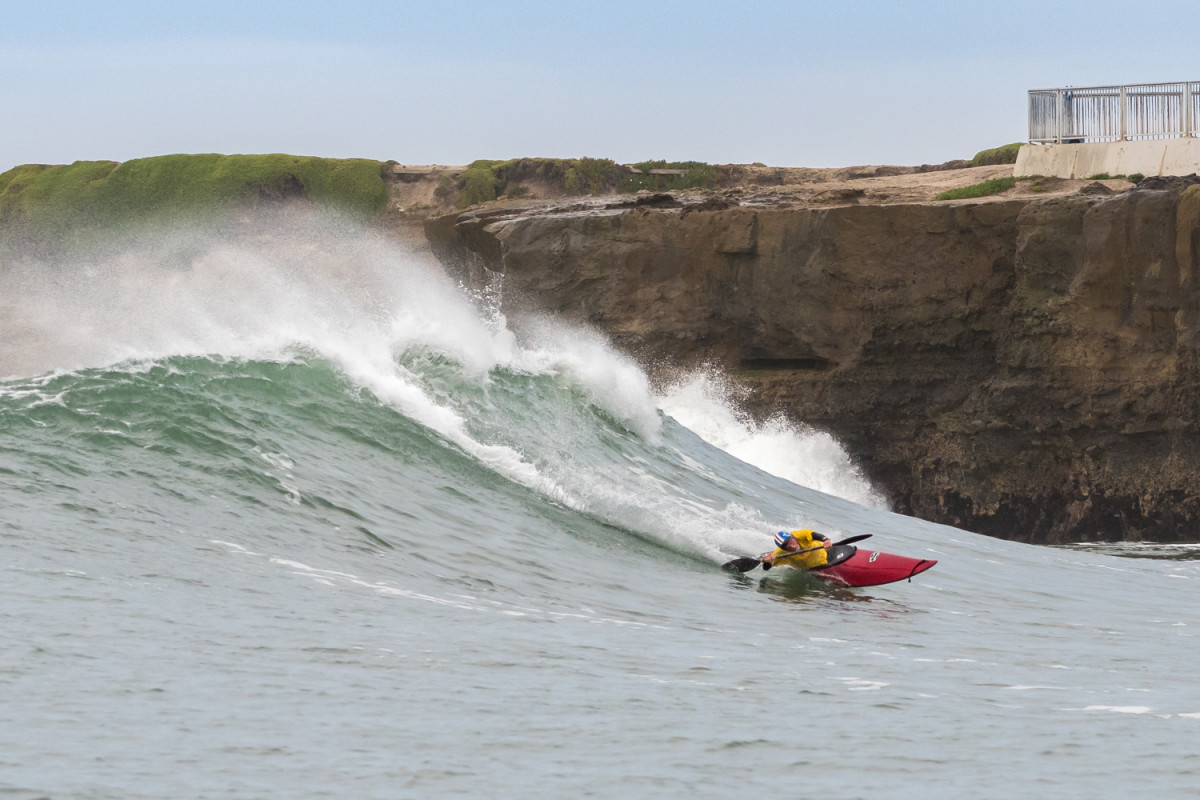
852	566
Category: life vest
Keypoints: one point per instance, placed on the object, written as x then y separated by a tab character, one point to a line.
816	558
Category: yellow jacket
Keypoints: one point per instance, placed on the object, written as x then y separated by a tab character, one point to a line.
817	558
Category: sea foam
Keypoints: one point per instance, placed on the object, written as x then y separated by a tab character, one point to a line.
706	403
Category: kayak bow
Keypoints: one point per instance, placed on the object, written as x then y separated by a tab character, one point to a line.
851	566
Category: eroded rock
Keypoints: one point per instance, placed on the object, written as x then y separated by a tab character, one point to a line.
1025	368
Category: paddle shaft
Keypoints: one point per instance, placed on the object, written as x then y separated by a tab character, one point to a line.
789	554
748	563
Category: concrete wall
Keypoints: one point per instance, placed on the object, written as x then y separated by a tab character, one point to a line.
1154	157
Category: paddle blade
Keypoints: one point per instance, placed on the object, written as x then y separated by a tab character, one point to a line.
853	539
742	564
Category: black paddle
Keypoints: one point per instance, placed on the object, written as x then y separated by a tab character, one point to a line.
747	563
853	539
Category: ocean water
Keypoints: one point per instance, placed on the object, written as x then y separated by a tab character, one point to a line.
296	516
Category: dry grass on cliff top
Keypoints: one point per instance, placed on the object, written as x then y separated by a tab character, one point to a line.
871	185
786	186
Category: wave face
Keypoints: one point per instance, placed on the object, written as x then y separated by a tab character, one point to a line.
289	509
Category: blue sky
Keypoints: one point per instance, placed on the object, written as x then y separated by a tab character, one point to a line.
785	83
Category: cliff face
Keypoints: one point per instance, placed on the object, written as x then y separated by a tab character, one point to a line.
1023	368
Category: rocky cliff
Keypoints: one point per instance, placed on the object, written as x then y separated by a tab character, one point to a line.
1025	368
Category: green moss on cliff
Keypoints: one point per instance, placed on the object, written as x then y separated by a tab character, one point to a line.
1006	154
58	208
188	182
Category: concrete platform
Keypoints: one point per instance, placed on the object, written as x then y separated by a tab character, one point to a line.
1149	157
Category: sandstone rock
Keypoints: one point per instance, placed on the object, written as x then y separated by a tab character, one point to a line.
1025	368
1095	187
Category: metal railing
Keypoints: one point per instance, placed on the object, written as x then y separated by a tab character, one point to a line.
1114	113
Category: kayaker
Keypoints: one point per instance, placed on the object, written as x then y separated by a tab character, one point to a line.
794	542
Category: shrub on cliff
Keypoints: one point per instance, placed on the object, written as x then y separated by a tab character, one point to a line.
696	175
589	175
997	155
485	180
478	184
994	186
